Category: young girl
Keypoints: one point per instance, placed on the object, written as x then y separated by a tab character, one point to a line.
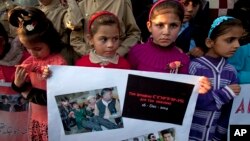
104	36
129	33
212	112
43	42
159	53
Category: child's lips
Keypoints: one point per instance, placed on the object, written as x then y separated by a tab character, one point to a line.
164	40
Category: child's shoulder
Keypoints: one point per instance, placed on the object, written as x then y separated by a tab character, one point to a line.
140	46
123	62
197	61
84	59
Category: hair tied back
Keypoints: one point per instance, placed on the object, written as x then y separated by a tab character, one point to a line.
21	18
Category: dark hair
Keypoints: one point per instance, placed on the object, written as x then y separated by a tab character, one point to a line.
102	18
6	46
224	26
168	131
63	99
195	2
150	135
106	90
241	11
163	6
34	26
74	103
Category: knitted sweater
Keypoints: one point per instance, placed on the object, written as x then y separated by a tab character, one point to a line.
85	61
152	57
210	105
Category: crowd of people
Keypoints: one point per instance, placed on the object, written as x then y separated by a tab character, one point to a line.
168	36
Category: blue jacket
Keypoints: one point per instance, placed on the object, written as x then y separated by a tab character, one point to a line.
240	60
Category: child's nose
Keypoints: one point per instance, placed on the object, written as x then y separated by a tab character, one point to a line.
166	30
110	43
237	44
190	7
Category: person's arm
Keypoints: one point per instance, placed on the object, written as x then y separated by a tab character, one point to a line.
214	99
31	94
73	17
78	42
96	111
132	31
132	57
37	96
118	110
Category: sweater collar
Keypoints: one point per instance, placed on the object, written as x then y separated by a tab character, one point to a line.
150	41
97	59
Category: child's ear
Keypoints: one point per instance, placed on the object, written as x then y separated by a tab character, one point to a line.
209	43
90	39
149	26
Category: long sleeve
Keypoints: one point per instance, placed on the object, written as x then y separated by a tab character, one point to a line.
132	31
73	17
132	57
118	110
215	98
37	96
78	42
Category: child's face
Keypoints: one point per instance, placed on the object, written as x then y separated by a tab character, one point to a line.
191	10
38	50
164	28
225	45
106	40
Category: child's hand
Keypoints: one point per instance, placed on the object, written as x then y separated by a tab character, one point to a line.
46	73
205	85
20	76
236	88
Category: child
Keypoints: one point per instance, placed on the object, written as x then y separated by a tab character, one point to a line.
212	111
240	60
159	52
104	36
42	41
60	18
191	37
129	33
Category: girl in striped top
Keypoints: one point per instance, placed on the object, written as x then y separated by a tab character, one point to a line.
213	108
